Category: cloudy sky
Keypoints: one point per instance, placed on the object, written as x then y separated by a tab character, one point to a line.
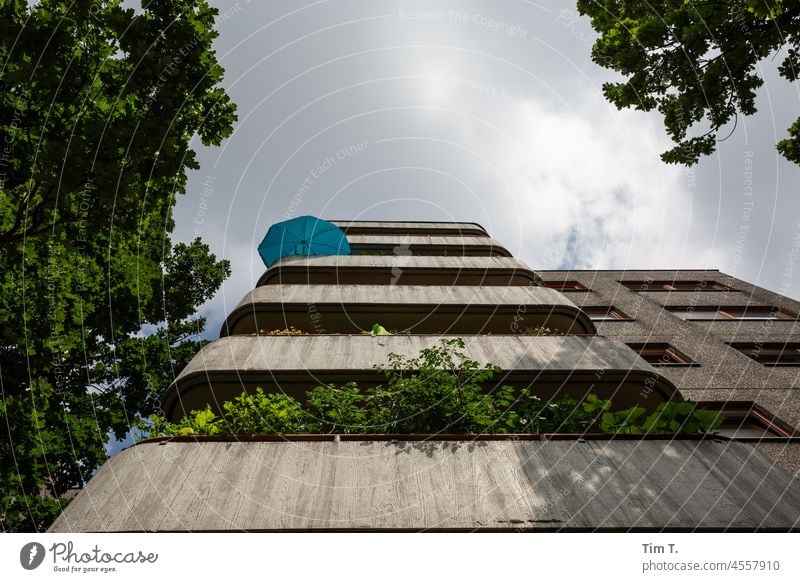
486	112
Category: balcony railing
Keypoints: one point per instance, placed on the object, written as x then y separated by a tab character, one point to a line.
400	270
351	309
554	365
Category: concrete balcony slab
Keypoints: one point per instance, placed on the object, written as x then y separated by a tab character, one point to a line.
553	365
399	270
419	309
469	485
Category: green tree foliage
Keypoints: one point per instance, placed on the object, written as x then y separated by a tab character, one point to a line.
696	63
333	409
439	391
98	106
563	415
674	417
623	421
261	413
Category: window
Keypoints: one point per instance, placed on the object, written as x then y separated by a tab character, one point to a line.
661	354
771	353
751	313
605	314
695	285
565	285
743	420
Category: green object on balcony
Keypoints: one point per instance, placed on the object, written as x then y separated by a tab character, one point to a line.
378	329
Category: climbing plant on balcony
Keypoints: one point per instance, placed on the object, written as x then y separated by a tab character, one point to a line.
441	390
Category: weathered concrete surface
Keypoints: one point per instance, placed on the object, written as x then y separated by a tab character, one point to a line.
484	268
400	262
225	368
418	301
722	372
720	368
325	352
410	294
785	454
466	485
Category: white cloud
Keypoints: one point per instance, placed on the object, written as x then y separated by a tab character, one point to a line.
592	191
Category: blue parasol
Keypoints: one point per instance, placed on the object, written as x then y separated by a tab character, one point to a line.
303	236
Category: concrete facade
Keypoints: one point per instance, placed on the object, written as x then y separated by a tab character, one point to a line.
292	364
604	485
427	281
722	372
431	309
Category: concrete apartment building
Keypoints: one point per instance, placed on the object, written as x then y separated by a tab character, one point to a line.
641	337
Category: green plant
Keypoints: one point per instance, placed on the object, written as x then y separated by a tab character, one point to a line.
681	417
247	414
698	63
622	421
338	410
592	404
563	415
103	107
197	422
440	390
261	413
31	417
202	422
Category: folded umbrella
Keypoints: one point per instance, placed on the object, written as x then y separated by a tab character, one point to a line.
302	236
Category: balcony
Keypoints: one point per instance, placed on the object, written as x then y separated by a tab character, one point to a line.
380	228
399	270
427	245
315	484
351	309
553	365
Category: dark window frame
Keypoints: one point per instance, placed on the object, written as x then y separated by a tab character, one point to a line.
427	250
569	286
749	412
612	313
791	349
701	285
668	355
732	312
